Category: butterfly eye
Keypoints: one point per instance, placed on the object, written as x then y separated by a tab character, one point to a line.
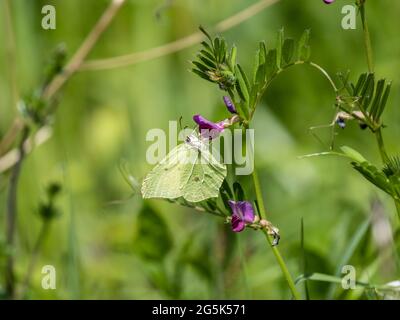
187	139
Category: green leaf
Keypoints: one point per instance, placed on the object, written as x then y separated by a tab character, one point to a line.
239	193
217	44
260	65
209	63
243	84
367	91
232	58
288	50
384	100
153	240
203	68
205	33
201	75
262	53
303	49
227	189
225	198
353	154
256	65
360	84
369	171
222	51
279	45
207	54
377	99
207	47
271	66
372	174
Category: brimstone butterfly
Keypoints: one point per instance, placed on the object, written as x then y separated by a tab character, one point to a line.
189	171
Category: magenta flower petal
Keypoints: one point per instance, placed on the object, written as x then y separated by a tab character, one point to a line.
246	209
207	128
242	214
329	1
237	224
207	124
229	104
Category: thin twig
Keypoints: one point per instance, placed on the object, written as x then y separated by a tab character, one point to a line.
11	158
11	216
177	45
80	55
11	135
70	69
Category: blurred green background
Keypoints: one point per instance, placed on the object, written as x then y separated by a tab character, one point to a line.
105	244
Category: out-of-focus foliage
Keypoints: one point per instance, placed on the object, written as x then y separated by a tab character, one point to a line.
103	243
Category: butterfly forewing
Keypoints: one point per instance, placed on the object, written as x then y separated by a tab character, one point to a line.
189	171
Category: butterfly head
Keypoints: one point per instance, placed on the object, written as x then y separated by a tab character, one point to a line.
193	141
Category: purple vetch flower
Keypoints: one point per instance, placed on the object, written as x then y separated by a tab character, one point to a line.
229	104
329	1
211	130
242	214
208	129
205	124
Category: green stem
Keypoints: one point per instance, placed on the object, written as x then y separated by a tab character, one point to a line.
275	250
263	215
367	38
284	268
381	145
257	188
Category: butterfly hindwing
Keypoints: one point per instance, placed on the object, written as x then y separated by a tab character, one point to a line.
205	179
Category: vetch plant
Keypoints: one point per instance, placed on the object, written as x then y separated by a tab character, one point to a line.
182	178
205	186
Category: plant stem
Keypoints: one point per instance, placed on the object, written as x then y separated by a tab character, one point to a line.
33	259
367	39
381	145
263	214
257	188
275	250
11	216
284	268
